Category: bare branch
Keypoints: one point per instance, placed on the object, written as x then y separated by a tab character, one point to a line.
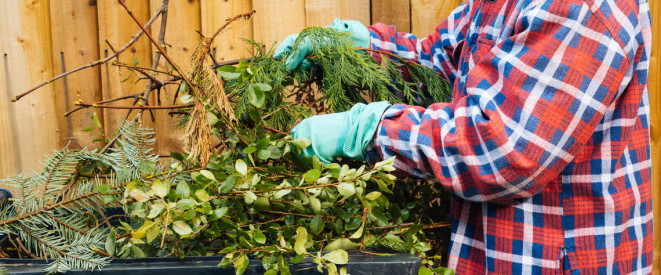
98	62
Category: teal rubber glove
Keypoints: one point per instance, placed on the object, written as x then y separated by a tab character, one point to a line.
360	36
344	134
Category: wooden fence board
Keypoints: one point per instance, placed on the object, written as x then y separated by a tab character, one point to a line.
427	14
181	39
393	12
323	12
117	27
75	43
228	45
26	40
276	19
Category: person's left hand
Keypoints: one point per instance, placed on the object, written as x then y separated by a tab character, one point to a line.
360	37
344	134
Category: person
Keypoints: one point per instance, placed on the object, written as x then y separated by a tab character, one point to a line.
545	146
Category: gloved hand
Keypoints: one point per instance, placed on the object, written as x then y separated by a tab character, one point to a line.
344	134
360	36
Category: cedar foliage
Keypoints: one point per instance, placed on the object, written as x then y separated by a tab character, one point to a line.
250	195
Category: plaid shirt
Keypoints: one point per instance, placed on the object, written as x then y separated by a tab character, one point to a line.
546	145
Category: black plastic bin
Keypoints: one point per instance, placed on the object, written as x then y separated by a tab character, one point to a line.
359	263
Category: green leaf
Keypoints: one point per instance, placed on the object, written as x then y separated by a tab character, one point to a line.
284	266
249	197
218	213
183	191
263	86
137	252
96	120
250	150
202	195
244	243
346	189
183	89
227	185
212	119
185	99
301	239
241	166
256	96
207	174
186	204
393	238
182	228
342	243
316	225
383	187
312	175
264	154
88	129
373	195
261	204
271	272
315	204
228	71
241	264
160	189
176	155
301	143
337	256
297	259
155	210
358	233
425	271
394	211
136	61
139	195
111	240
443	271
142	230
259	237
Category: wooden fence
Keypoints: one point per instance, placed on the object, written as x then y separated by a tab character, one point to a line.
40	39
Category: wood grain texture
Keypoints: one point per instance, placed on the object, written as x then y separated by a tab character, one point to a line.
228	45
181	39
323	12
28	128
655	116
393	12
117	27
276	19
427	14
75	43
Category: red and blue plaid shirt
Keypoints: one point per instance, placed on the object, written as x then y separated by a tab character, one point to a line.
546	145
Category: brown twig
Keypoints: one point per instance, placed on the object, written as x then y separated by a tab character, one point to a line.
92	64
273	130
157	57
20	255
124	65
133	107
103	102
229	21
230	62
25	250
161	50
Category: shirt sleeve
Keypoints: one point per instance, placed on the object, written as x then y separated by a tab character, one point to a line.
439	50
526	108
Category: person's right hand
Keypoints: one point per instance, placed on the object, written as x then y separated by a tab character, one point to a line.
360	36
